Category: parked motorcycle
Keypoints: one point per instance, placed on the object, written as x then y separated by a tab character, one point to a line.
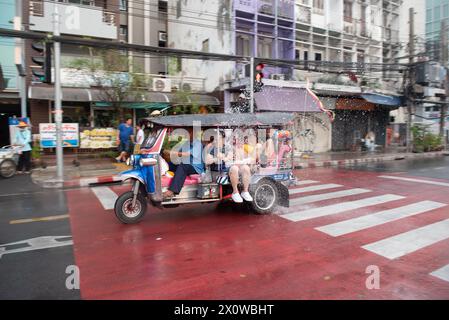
9	158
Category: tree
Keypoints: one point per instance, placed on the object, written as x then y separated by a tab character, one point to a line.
116	77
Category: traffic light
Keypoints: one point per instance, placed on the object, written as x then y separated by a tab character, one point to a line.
259	75
42	59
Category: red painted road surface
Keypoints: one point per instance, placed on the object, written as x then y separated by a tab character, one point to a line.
224	252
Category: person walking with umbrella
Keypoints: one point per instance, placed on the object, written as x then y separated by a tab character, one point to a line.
23	140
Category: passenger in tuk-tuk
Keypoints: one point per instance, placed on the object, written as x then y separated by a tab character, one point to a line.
222	160
194	165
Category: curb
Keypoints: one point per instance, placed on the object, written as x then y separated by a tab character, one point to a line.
53	183
86	182
339	163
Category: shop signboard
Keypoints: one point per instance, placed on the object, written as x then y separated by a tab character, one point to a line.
70	135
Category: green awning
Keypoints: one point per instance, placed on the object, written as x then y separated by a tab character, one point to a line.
146	105
135	105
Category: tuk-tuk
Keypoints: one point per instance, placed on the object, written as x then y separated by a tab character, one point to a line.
149	177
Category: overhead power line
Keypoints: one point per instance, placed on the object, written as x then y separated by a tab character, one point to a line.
319	66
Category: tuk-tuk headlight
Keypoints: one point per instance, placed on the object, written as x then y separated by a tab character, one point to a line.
144	162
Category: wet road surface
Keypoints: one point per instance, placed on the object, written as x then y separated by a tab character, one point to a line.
342	223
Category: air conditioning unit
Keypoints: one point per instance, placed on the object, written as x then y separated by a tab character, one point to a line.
162	36
266	9
161	85
277	76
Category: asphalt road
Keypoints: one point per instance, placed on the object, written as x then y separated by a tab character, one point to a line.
38	273
210	252
437	168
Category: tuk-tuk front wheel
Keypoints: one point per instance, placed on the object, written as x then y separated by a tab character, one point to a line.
265	197
126	212
7	168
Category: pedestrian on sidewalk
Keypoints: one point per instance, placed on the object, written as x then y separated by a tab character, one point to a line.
125	132
140	136
23	140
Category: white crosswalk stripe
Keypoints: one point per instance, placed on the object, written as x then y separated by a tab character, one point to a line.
106	196
304	182
314	188
442	273
411	241
379	218
339	207
327	196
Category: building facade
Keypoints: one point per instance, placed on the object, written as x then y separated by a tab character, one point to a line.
9	97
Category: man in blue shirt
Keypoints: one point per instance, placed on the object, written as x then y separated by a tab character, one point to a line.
194	165
125	132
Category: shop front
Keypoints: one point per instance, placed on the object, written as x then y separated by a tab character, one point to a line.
98	119
357	116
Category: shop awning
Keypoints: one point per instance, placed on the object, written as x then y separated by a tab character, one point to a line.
147	105
286	99
67	94
376	98
141	100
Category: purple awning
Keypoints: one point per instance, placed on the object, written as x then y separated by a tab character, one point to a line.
286	99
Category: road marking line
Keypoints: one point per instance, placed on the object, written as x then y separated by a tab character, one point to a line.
327	196
416	180
378	218
339	207
442	273
408	242
38	243
48	218
303	182
314	188
106	196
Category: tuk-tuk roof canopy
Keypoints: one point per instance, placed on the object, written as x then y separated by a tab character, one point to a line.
225	119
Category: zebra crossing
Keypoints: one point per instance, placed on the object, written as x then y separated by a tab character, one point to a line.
392	247
312	207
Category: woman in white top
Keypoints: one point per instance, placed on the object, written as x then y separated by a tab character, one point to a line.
140	136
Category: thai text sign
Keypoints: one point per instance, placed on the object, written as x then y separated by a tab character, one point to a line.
70	135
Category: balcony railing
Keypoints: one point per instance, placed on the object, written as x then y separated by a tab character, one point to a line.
304	15
109	18
36	8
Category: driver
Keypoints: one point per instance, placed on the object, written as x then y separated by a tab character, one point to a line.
193	166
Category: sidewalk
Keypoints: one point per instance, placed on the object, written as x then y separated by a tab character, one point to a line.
332	159
94	171
81	174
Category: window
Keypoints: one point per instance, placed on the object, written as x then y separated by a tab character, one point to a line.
347	11
318	6
124	33
428	109
205	46
306	55
162	6
318	56
81	2
264	47
123	5
297	54
243	45
162	39
178	9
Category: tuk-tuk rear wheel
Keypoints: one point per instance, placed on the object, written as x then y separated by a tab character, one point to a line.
265	197
7	168
126	212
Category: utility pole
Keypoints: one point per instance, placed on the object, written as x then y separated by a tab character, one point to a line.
444	57
251	86
20	60
411	46
58	109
